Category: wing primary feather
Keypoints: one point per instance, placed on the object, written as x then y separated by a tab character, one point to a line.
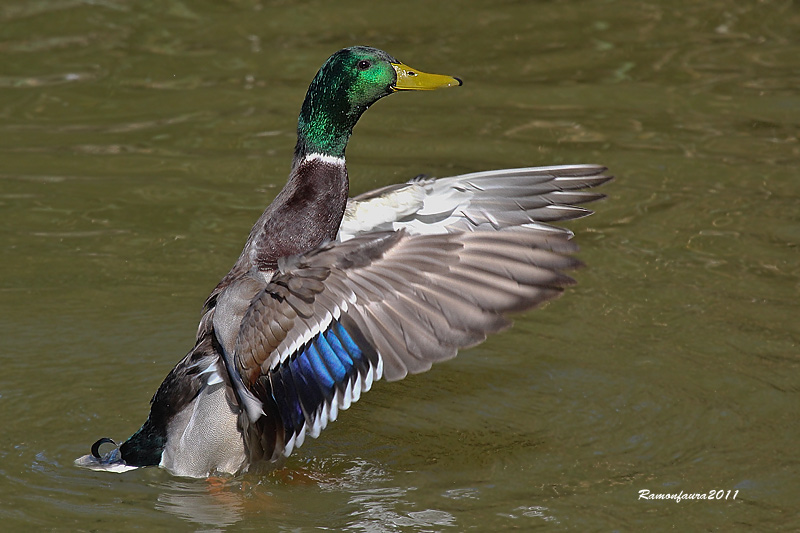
453	333
385	341
422	343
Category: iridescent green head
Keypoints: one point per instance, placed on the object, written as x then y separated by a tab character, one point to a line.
348	83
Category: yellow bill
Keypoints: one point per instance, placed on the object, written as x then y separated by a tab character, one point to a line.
411	79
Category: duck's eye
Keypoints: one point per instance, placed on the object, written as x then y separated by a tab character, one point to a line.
364	64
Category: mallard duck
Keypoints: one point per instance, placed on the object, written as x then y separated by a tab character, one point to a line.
331	294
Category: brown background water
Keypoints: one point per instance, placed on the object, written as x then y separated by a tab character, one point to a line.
140	140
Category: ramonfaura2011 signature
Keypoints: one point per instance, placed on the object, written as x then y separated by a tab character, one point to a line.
720	494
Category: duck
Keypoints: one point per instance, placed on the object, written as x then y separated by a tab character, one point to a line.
331	294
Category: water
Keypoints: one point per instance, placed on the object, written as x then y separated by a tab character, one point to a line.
140	140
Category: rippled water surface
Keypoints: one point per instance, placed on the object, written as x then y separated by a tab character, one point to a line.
140	140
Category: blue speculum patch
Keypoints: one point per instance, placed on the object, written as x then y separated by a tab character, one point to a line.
311	378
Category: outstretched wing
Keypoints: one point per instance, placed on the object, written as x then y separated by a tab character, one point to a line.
332	321
495	199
